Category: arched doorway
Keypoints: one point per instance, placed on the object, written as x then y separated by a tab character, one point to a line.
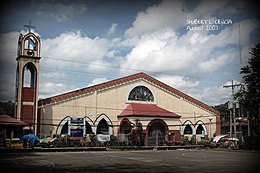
156	132
200	130
188	130
75	127
125	126
102	127
65	128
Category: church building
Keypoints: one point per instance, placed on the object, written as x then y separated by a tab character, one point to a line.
112	108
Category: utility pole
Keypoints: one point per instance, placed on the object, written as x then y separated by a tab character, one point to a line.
234	108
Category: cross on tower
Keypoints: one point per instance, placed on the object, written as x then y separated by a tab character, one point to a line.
29	26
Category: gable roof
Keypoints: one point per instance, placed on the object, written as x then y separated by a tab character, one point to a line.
10	121
120	81
147	110
7	120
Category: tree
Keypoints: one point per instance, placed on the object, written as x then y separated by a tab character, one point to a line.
249	95
8	107
136	132
224	113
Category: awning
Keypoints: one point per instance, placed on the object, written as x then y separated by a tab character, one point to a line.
7	120
146	110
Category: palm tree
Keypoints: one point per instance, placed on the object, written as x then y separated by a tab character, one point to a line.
136	132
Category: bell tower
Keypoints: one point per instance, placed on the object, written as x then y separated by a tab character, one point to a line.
27	78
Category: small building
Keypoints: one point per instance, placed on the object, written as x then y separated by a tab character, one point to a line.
10	127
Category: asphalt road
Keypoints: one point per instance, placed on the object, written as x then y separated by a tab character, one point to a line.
131	161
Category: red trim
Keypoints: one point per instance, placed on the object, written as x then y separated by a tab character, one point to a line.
218	126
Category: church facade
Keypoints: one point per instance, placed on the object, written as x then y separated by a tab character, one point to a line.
115	107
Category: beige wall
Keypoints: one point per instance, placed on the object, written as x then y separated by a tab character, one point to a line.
113	101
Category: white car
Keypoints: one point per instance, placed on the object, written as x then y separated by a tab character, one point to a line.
224	141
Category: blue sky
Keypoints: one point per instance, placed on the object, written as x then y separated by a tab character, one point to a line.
89	42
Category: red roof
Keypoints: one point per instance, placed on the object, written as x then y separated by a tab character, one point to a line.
7	120
146	110
122	80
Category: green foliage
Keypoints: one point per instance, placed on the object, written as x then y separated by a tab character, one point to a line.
249	95
90	141
224	112
8	107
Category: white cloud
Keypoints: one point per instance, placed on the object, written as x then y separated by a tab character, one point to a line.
211	95
181	83
75	52
48	89
73	47
112	29
97	81
156	44
8	46
166	14
214	64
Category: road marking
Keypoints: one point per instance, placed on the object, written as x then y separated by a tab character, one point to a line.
143	159
47	163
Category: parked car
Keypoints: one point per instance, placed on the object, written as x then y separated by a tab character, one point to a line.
224	141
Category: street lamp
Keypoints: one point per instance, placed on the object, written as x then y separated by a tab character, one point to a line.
210	118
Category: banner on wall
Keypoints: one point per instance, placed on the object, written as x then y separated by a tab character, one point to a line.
103	138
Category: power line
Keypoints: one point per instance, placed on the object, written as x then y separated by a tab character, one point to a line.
212	81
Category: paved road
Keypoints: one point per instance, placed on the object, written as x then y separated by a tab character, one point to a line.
131	161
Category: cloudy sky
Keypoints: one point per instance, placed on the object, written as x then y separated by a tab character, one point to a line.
194	46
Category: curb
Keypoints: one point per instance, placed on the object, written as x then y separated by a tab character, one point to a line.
112	148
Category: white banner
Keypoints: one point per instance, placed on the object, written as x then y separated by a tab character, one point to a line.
103	138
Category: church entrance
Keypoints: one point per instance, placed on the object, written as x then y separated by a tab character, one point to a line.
156	132
75	127
102	127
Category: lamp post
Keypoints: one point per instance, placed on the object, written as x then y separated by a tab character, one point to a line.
210	118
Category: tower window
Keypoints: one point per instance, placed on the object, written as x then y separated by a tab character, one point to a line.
30	43
29	75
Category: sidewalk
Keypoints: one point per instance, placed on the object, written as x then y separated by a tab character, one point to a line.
111	148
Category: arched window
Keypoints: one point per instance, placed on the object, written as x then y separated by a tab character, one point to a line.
141	93
30	43
102	127
200	130
188	130
88	128
29	75
17	77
